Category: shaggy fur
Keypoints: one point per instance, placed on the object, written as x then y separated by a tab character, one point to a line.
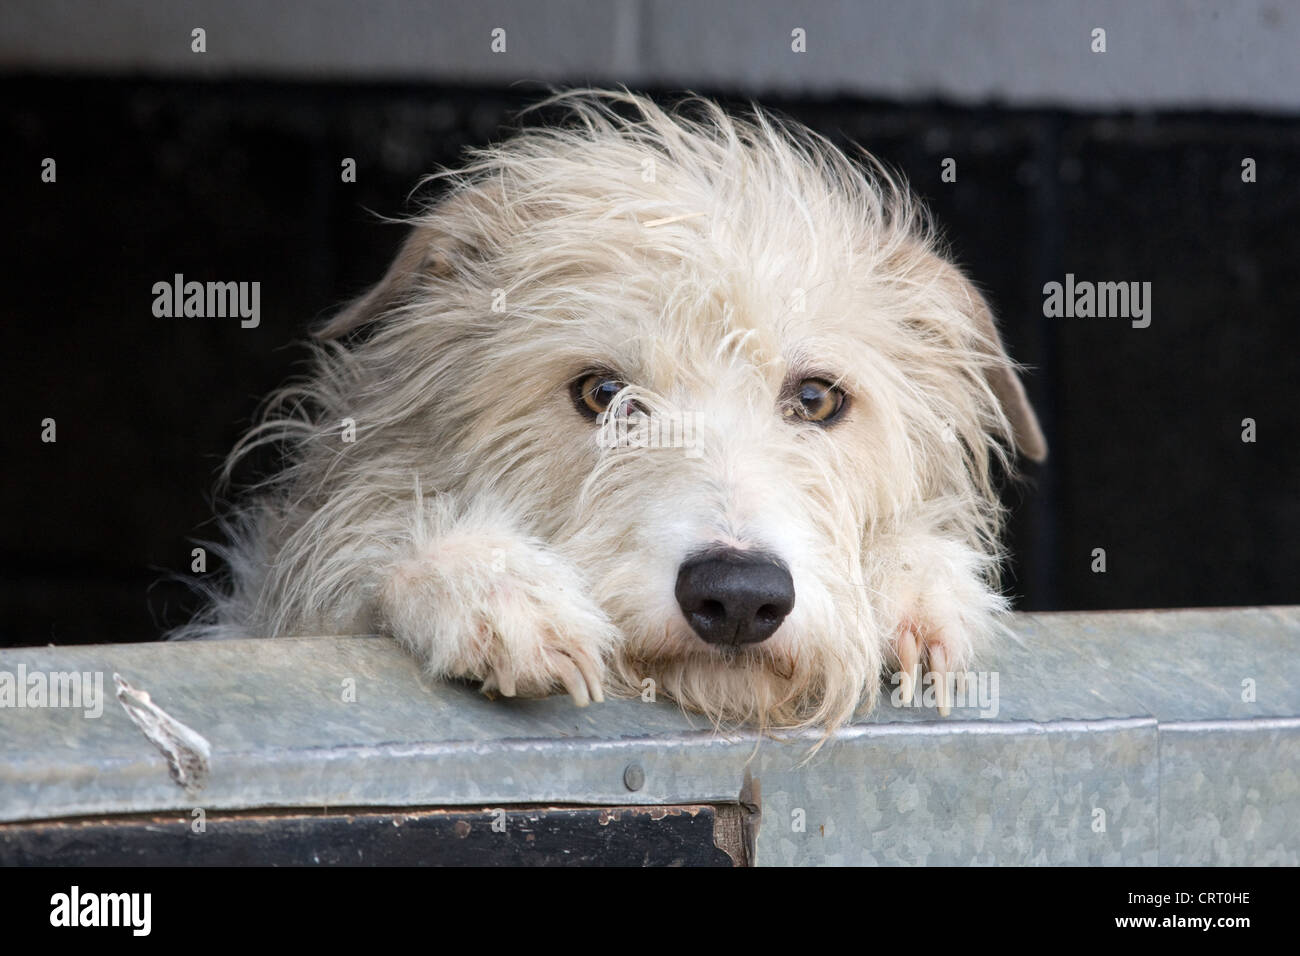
709	261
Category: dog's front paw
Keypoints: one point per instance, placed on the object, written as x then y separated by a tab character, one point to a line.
501	610
537	634
939	646
944	612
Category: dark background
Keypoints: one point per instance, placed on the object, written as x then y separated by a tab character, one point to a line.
239	180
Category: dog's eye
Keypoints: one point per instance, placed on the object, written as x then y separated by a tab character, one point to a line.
818	401
593	392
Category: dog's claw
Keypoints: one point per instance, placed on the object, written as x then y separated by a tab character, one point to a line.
574	682
505	674
939	667
924	649
591	674
909	661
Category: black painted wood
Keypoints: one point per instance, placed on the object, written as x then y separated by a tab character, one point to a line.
510	836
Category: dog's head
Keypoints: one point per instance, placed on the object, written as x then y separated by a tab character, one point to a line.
720	367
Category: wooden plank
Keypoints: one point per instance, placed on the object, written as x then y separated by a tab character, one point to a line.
690	835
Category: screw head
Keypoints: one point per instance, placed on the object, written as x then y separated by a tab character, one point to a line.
634	777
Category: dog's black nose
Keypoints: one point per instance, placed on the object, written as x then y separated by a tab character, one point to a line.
735	597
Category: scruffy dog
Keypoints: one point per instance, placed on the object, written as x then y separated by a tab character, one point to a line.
648	395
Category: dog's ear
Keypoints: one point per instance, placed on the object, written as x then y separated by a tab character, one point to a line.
418	256
1001	374
1006	383
441	239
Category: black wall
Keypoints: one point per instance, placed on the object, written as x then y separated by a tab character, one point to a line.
233	181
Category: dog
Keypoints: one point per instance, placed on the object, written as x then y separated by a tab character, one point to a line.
661	399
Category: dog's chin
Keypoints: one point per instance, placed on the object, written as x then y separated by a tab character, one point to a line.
729	654
757	685
747	658
682	651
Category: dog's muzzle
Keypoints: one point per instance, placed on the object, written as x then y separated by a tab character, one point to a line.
732	598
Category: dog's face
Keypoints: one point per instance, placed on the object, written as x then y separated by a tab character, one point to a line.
729	379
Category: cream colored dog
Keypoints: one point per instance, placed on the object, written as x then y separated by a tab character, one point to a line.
649	399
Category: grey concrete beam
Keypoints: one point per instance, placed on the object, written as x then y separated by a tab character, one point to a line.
326	39
1159	53
1118	738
